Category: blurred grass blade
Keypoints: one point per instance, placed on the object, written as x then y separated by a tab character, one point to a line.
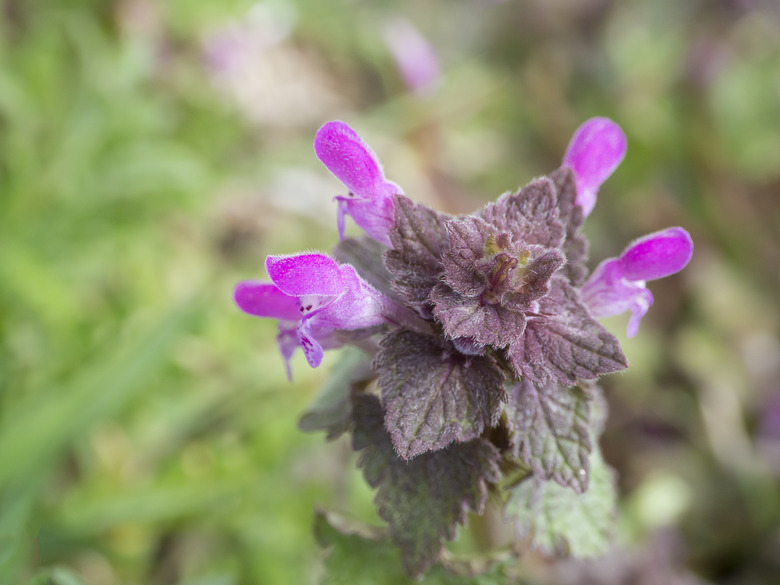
38	428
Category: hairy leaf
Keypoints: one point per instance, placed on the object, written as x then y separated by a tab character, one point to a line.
332	408
536	277
599	409
423	500
435	395
364	556
575	246
565	343
467	238
481	262
560	521
464	316
419	239
530	215
550	430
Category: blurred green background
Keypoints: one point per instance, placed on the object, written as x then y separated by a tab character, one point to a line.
151	155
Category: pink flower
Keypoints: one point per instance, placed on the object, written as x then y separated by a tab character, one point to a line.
314	298
595	151
413	55
618	284
370	196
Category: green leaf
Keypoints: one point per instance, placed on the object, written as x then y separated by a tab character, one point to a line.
435	395
562	522
360	555
424	499
332	408
550	430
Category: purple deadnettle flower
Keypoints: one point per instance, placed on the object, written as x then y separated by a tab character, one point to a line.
497	265
470	307
313	297
595	151
618	284
370	196
413	55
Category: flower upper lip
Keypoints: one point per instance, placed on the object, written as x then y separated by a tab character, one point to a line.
595	151
370	195
618	284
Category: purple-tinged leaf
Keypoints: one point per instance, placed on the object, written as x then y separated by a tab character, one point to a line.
419	239
565	343
595	151
536	276
530	215
264	299
560	521
468	346
467	241
486	324
434	395
491	268
575	245
490	281
423	500
566	197
550	430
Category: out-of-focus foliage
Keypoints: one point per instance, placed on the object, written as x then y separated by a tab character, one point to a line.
370	558
152	153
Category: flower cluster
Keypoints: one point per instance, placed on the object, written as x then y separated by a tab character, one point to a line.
488	339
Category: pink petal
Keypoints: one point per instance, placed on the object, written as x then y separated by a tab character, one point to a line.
349	158
342	210
413	55
359	306
305	274
287	341
657	255
375	217
264	299
640	304
311	347
607	293
595	151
